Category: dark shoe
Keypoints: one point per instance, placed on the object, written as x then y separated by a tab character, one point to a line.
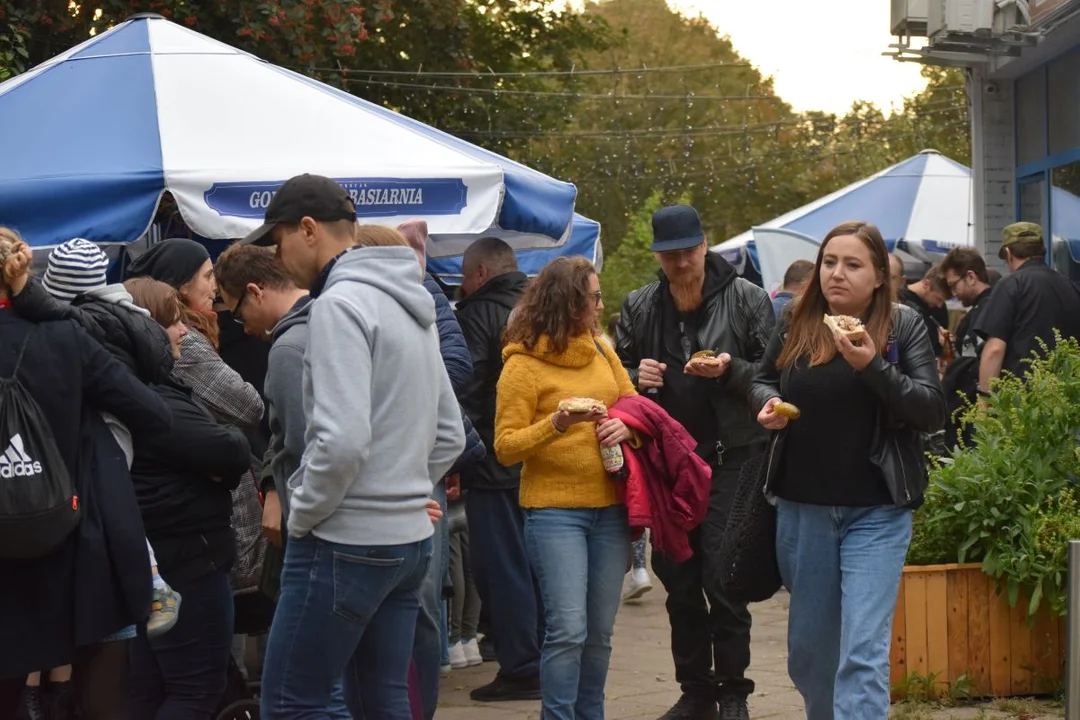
487	649
59	701
32	707
503	689
692	707
733	707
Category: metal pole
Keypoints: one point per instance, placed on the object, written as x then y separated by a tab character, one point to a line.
1072	640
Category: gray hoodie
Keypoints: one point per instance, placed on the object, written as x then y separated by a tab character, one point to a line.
285	397
383	425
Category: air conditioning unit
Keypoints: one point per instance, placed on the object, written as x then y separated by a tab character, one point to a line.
959	17
909	18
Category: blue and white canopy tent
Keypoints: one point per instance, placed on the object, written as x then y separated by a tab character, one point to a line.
95	136
584	240
923	207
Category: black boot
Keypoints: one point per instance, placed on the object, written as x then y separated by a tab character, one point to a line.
32	707
733	707
59	701
692	706
504	689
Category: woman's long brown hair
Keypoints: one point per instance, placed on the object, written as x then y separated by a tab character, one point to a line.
555	304
807	334
160	299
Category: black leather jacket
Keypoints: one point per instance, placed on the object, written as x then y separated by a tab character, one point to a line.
911	400
739	321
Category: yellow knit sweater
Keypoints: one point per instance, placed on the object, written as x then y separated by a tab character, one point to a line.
561	470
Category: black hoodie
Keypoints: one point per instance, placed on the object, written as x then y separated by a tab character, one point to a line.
482	317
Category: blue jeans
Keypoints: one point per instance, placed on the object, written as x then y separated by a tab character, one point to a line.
344	611
580	557
842	566
428	642
181	675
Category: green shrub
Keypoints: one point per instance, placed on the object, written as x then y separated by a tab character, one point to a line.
1009	501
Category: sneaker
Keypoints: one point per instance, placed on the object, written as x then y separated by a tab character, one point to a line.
457	656
503	689
164	612
444	670
472	653
637	584
692	707
733	707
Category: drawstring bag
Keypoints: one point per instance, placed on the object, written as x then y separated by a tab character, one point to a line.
747	558
39	508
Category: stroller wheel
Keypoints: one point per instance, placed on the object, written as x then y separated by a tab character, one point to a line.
240	710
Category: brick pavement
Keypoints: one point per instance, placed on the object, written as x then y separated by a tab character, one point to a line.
641	682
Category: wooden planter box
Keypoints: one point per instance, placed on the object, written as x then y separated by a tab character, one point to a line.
951	622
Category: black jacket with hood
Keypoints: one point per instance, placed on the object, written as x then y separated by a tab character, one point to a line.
183	481
910	398
738	319
483	316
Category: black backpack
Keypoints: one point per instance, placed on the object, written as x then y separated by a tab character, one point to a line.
38	505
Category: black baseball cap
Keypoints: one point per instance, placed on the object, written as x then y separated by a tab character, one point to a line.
676	227
313	196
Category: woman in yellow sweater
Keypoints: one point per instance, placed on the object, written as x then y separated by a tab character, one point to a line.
576	531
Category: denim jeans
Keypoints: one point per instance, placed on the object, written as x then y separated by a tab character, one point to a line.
181	675
842	566
580	557
344	611
430	623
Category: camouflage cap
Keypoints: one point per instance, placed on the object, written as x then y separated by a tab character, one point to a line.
1019	232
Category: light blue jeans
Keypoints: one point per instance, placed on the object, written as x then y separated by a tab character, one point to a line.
579	557
842	566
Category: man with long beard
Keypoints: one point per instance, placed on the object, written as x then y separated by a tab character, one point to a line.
700	304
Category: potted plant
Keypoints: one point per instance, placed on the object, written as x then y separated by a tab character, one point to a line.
982	598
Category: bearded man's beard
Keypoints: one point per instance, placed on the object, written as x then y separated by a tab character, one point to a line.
686	291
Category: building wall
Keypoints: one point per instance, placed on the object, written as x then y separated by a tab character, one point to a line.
994	161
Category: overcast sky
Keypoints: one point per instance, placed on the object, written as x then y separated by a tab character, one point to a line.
823	55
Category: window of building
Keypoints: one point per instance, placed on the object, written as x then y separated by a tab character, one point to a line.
1065	219
1063	95
1031	117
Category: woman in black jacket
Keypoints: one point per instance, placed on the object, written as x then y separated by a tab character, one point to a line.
848	472
183	480
42	609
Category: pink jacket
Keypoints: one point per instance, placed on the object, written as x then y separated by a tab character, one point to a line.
668	488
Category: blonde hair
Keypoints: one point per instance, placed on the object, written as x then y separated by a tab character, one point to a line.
9	240
379	236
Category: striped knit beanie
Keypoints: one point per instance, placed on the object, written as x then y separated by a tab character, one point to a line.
75	267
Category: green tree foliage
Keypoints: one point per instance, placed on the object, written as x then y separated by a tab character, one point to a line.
632	264
360	47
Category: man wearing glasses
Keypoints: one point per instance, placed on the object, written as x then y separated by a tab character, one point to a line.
699	304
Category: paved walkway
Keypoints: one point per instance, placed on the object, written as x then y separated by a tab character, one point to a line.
641	683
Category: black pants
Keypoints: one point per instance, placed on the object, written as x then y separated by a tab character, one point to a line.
504	580
713	662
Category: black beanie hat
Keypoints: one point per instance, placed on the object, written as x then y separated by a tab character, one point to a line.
174	261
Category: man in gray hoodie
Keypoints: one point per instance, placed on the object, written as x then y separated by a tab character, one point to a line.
382	427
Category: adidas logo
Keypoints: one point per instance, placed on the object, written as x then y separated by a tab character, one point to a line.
15	463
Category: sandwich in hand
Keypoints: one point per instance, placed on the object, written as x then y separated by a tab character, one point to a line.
582	405
703	355
846	325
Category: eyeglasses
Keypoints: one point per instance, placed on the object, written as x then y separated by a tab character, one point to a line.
237	313
597	296
952	285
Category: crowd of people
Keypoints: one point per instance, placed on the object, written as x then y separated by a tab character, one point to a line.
392	452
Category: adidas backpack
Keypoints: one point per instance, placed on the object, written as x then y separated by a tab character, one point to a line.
38	504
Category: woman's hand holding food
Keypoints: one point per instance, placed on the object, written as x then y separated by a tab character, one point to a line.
776	414
577	410
857	356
